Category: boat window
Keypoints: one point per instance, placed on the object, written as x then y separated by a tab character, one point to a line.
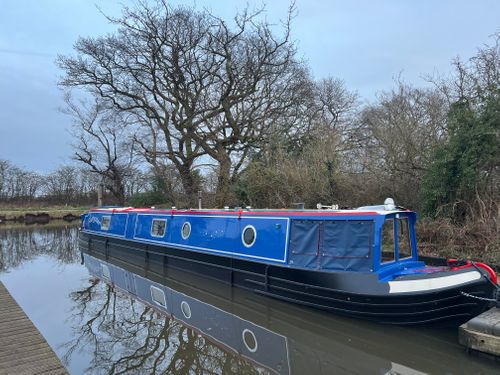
404	241
105	222
158	296
158	227
248	236
387	247
186	230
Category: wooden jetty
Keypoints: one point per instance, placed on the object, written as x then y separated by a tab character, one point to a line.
482	333
23	350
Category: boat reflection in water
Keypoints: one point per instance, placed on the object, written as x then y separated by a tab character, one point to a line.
193	324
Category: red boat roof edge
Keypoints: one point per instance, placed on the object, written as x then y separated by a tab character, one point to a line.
242	212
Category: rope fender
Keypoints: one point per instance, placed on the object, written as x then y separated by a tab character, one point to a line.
454	265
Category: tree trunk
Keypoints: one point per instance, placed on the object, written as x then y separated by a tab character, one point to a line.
189	184
118	190
223	182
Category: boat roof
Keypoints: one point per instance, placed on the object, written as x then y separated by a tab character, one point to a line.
361	211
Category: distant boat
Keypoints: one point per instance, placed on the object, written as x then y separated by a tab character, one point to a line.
360	263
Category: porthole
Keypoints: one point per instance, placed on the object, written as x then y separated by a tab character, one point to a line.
186	230
105	222
158	296
158	227
249	340
186	310
249	236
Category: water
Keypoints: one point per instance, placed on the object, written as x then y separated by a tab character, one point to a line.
96	327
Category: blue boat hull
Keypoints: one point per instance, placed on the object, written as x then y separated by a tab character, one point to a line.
354	294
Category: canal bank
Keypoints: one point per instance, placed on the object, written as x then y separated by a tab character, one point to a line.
41	215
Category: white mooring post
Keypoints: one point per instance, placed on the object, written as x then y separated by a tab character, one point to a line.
100	189
199	199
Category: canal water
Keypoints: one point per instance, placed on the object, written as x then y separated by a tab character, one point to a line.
106	314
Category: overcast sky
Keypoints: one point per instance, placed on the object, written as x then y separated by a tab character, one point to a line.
366	43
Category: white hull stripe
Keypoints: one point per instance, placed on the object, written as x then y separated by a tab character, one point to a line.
432	283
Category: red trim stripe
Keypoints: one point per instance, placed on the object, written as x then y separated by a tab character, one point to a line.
238	213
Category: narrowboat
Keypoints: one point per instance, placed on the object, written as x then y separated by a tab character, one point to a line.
360	262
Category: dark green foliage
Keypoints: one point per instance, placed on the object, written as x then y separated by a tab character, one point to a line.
148	199
464	165
156	196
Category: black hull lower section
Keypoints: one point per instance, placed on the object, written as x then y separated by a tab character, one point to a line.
321	290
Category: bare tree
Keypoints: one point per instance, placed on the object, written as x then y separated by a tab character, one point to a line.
5	167
63	184
475	79
206	85
104	143
335	119
151	147
404	127
335	107
302	159
70	184
18	184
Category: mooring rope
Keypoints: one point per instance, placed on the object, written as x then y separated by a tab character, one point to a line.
496	295
477	297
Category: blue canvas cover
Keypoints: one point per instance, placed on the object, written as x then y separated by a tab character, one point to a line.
304	243
336	245
347	245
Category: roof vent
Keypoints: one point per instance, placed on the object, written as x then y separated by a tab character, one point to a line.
389	204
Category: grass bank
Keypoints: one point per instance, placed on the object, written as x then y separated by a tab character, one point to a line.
54	212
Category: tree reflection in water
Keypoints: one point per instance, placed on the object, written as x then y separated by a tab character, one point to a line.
126	336
22	243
